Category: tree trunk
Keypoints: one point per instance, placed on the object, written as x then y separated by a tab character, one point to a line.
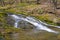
38	1
2	2
55	5
21	1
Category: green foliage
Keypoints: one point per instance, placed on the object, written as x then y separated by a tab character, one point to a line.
46	18
40	11
23	4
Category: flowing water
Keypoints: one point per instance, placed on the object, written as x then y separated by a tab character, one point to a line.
33	21
40	32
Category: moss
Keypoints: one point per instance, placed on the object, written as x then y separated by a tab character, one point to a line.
46	18
2	18
22	4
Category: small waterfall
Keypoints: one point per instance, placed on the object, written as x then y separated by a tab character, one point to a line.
34	22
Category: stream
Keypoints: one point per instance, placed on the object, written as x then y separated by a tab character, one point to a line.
36	23
39	26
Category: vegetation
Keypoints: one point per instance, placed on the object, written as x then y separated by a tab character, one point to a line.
49	19
33	8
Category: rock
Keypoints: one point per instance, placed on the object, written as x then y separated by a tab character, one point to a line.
10	21
25	25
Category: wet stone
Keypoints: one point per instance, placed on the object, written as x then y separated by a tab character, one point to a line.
25	25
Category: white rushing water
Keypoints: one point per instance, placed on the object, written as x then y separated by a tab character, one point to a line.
33	21
16	24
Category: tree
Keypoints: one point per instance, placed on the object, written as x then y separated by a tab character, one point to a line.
38	1
2	2
21	1
55	3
